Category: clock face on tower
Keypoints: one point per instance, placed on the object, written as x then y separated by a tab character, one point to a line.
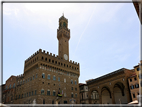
65	56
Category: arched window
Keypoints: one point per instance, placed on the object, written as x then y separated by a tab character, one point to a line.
48	92
95	95
54	93
72	94
43	75
42	91
58	78
75	82
14	85
54	78
10	86
48	77
71	81
65	80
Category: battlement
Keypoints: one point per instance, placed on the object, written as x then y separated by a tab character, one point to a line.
49	54
20	76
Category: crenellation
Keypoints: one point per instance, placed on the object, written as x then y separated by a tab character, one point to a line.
44	51
47	53
53	55
50	54
40	50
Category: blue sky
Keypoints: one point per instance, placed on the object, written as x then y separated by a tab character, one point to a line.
104	36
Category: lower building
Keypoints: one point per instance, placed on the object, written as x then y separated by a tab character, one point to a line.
111	88
83	93
134	86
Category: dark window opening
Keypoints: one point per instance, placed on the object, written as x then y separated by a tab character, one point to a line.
133	95
137	85
42	57
49	60
71	88
135	78
65	102
132	87
48	92
55	62
64	65
43	101
138	69
54	93
130	80
52	61
42	82
71	95
45	59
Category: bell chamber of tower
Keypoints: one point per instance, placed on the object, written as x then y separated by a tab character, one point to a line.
63	35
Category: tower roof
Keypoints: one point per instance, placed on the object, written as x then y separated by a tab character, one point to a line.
63	18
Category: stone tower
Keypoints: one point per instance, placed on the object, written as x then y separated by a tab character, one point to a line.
63	35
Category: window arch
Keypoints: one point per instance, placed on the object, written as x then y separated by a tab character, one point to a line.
75	82
54	93
10	86
58	78
71	81
14	85
42	91
48	77
48	92
54	78
95	95
43	75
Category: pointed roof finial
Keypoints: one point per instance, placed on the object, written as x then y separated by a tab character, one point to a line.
63	13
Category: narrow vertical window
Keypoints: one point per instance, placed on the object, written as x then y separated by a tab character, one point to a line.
54	78
48	92
64	80
42	91
58	78
71	81
48	77
75	82
43	75
54	93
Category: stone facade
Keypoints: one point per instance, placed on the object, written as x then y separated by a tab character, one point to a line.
138	71
49	78
134	86
83	93
112	88
9	90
